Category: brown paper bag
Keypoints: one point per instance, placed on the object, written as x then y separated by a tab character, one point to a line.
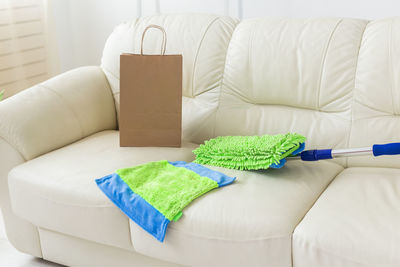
151	98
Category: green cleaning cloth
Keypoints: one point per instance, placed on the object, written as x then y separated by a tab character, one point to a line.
167	188
155	193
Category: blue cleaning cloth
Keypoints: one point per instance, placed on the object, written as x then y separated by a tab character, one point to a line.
133	205
139	210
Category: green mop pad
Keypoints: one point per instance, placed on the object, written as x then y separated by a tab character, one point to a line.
167	188
249	152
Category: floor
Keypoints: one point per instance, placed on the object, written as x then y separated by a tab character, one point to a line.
11	257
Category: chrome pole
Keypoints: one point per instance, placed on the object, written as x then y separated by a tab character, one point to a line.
342	153
351	152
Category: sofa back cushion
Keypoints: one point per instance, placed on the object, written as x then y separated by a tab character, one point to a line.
376	111
284	75
201	39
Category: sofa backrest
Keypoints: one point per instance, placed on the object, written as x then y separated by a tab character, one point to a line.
376	111
291	75
334	80
201	39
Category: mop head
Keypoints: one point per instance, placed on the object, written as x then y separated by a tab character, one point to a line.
249	152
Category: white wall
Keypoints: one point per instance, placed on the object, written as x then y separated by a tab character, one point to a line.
83	25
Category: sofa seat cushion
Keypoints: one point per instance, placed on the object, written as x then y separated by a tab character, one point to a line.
355	222
248	223
57	191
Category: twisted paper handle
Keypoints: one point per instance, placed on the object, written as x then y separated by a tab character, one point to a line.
164	42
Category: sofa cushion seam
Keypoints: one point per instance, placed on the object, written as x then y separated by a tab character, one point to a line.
323	63
353	99
334	254
221	84
67	105
318	197
228	239
197	54
42	196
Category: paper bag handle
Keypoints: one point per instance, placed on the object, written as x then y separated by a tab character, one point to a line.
164	42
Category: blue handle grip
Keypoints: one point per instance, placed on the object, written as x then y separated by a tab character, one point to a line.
314	155
386	149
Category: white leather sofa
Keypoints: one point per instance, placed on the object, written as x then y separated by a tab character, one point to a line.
336	81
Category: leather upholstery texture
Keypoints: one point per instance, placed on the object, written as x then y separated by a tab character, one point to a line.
259	222
58	112
295	75
85	253
248	223
355	222
72	192
203	42
376	112
334	80
22	234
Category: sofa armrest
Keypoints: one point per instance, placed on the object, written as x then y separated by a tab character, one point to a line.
58	112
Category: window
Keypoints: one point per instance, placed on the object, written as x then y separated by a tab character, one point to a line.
23	45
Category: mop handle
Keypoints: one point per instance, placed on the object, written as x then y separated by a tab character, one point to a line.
376	150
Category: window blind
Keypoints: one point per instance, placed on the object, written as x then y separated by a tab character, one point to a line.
23	49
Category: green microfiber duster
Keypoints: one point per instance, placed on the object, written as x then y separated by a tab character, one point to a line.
249	152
